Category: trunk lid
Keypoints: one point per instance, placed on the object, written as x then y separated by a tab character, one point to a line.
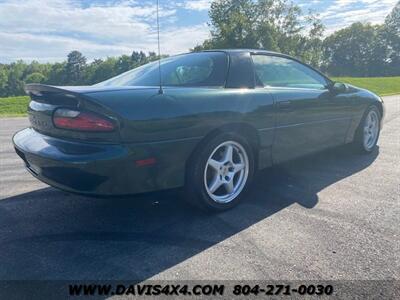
46	99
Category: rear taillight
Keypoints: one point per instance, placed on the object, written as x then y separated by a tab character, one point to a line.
81	121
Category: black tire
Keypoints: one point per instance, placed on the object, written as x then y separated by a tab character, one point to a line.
358	143
195	189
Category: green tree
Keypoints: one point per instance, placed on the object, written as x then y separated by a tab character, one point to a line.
233	24
35	78
3	81
392	38
392	21
152	56
57	74
103	70
269	24
15	84
123	64
138	58
90	71
310	48
75	66
357	50
36	67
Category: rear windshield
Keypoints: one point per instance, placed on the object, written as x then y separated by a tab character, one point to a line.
205	69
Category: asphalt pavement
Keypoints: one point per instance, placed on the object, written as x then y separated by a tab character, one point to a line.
331	216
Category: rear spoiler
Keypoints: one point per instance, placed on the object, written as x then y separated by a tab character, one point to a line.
37	89
60	95
41	93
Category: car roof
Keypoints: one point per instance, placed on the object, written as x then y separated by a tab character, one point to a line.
252	51
258	51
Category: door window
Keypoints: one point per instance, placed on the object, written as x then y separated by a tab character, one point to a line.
282	72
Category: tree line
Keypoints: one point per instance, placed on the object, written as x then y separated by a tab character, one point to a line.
361	49
74	71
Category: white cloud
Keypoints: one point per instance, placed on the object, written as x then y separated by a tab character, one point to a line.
27	46
342	13
48	29
197	4
180	38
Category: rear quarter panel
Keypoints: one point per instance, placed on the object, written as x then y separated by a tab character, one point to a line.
181	113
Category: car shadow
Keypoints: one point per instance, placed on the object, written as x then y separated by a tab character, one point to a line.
48	234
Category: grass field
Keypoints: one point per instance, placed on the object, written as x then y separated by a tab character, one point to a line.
13	106
383	86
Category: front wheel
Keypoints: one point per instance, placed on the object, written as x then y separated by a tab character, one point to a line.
368	131
220	172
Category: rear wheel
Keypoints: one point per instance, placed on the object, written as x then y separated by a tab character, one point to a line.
368	131
220	172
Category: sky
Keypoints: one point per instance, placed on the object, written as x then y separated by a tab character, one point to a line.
47	30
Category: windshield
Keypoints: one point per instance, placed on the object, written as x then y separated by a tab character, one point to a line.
191	70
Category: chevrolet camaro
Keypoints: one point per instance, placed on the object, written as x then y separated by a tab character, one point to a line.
206	121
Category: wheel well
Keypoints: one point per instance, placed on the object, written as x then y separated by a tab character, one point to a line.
380	107
245	130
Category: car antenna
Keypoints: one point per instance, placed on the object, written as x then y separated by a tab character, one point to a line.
160	91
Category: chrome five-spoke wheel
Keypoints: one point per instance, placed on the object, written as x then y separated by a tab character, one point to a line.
371	129
226	172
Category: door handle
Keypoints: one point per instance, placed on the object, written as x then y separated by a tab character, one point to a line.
284	104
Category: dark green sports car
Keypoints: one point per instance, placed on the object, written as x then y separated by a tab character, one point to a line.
205	120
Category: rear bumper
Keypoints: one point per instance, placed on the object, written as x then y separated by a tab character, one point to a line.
102	169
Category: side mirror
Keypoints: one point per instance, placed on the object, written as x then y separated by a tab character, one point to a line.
338	87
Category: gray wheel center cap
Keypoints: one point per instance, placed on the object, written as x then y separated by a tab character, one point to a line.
225	170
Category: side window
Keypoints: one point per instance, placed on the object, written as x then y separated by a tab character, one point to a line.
189	73
282	72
